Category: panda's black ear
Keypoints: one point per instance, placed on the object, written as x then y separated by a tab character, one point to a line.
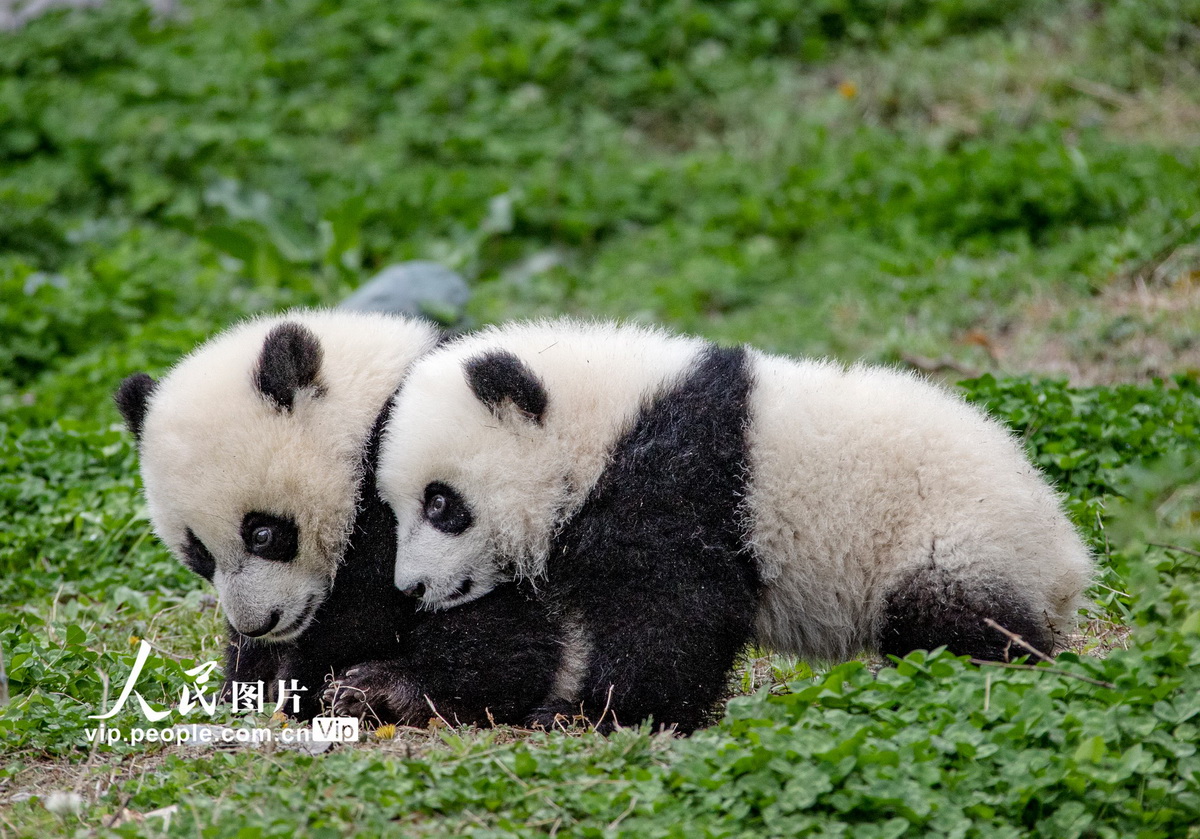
290	360
499	375
131	399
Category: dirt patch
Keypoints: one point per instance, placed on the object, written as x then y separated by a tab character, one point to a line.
1134	330
1168	116
90	779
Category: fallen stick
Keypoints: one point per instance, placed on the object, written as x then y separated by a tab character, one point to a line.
1039	669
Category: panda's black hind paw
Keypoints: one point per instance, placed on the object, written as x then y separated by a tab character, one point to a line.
376	691
930	607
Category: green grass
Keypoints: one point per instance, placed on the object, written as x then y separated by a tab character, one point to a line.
1005	189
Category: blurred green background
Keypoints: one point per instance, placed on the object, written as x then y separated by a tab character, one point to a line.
964	186
997	186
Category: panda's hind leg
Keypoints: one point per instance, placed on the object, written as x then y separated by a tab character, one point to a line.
931	606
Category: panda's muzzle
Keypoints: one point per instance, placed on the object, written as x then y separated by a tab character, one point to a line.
298	625
265	628
281	616
462	591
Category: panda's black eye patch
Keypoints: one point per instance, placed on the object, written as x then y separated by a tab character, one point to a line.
446	510
270	537
197	557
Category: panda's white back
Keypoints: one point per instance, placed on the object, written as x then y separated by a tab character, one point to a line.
858	475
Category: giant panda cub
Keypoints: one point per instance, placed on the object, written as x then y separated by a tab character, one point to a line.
257	453
676	500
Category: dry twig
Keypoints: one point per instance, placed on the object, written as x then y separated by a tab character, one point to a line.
1037	668
1172	242
436	712
607	704
1018	640
937	365
1180	548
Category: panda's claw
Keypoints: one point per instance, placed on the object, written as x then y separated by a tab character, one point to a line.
376	691
330	695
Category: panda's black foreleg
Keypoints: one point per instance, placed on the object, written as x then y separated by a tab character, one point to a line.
664	632
250	661
653	563
490	660
932	607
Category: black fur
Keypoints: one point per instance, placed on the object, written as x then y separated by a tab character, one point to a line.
290	360
197	557
455	517
653	563
930	608
497	655
499	375
131	398
285	536
248	661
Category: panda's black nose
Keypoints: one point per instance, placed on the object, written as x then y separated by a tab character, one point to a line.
416	591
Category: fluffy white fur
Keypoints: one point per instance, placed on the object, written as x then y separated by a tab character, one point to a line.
858	475
213	448
855	475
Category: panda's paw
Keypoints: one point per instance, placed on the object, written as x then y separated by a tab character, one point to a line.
376	691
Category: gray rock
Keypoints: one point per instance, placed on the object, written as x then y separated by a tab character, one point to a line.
417	289
16	13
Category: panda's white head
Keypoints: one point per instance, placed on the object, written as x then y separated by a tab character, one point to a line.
251	451
496	439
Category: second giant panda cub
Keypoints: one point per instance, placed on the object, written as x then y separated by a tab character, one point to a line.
258	458
680	499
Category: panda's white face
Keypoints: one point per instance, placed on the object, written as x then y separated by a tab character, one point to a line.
495	440
474	494
449	562
265	523
251	452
